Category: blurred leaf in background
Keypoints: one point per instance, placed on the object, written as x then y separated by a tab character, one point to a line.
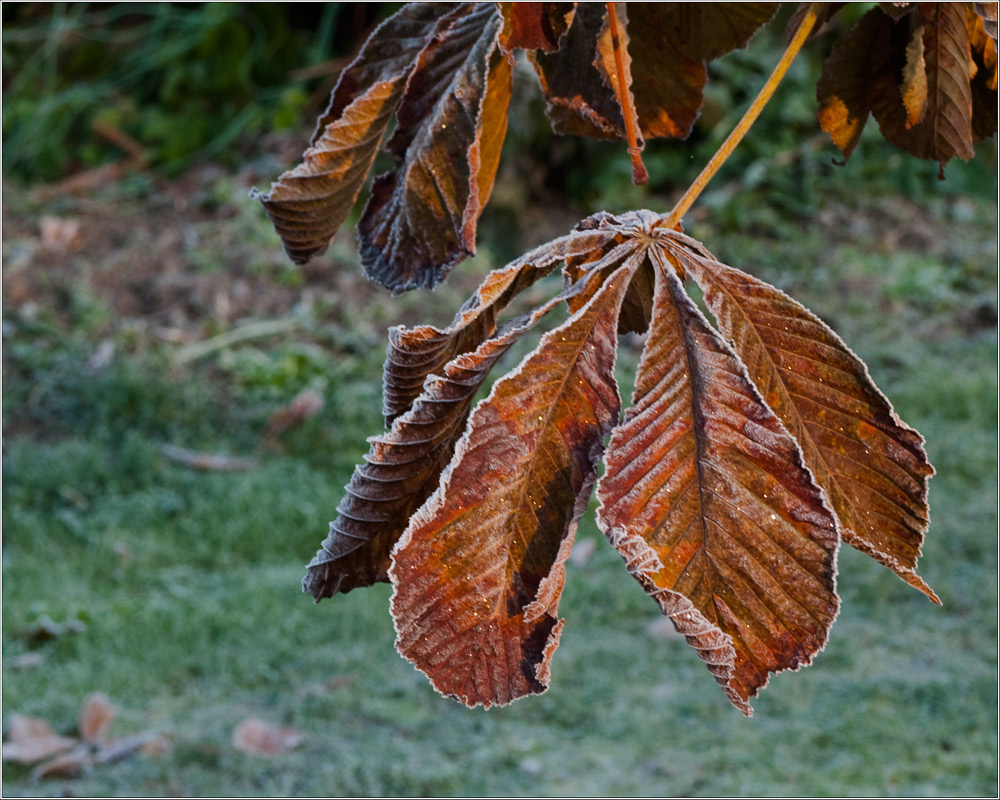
167	84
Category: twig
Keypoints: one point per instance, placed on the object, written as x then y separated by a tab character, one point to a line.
206	461
121	139
253	330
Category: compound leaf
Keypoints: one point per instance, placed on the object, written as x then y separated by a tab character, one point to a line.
478	573
421	217
911	69
872	466
707	499
308	204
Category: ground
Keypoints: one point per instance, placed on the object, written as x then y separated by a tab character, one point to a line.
140	313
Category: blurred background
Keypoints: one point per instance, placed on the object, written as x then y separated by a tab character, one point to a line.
182	406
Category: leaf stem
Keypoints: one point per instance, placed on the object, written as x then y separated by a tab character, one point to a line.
717	160
639	173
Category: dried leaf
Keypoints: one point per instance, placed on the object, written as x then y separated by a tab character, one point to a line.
308	204
945	130
404	465
21	727
988	13
707	499
31	739
859	60
578	100
914	86
984	80
707	494
257	737
307	403
65	765
478	573
421	217
670	43
60	235
534	26
705	31
872	465
96	716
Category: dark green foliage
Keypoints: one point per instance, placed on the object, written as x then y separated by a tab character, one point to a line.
187	82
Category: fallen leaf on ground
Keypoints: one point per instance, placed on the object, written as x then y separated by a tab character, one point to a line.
65	765
257	737
20	727
31	739
305	404
96	716
59	235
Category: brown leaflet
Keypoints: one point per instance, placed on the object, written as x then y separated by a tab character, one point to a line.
707	499
478	573
709	30
668	83
859	60
945	130
872	465
914	86
404	466
984	80
415	353
670	43
578	101
308	204
421	217
988	13
984	49
534	26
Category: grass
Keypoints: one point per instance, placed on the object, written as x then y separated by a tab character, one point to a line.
186	584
